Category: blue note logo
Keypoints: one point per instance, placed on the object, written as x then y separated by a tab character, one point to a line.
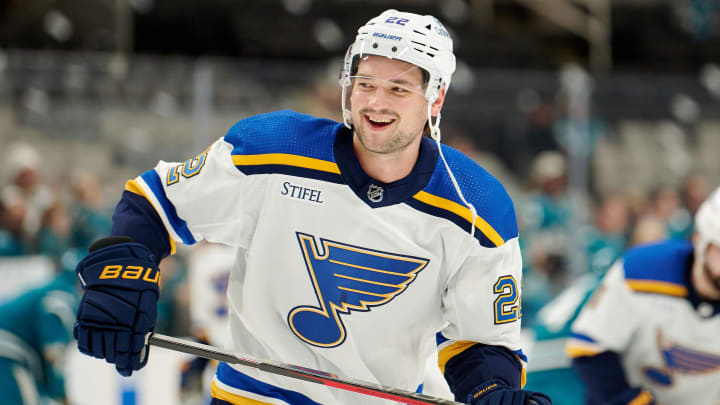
347	278
681	360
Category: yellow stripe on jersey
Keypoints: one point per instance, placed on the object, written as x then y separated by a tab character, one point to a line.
523	373
134	187
461	211
452	350
574	351
660	287
643	398
218	393
286	159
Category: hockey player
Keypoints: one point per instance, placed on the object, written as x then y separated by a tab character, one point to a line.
649	334
359	245
35	330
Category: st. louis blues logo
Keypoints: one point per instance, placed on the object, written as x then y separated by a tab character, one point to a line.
681	360
347	278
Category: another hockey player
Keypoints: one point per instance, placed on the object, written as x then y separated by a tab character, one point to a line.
359	245
649	334
35	331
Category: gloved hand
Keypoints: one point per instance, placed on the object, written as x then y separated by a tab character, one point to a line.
118	310
495	392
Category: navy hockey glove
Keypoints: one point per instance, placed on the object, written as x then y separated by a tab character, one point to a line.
118	310
495	392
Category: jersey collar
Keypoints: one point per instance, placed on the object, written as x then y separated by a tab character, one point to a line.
376	193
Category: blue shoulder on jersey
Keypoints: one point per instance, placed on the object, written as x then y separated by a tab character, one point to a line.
496	222
285	142
302	145
659	267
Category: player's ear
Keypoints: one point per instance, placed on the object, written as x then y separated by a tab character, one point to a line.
438	103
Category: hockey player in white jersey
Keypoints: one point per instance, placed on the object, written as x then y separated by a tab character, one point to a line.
649	334
360	245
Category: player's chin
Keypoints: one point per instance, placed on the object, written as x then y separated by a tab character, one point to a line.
376	142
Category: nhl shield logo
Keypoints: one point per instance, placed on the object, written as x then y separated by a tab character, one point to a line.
375	193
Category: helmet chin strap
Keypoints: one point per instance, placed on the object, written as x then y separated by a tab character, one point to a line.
435	135
347	115
434	127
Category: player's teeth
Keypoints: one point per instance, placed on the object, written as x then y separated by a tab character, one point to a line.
385	121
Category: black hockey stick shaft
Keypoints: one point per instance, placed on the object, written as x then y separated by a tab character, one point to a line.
302	373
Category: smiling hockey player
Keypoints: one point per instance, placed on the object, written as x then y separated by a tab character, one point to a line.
360	246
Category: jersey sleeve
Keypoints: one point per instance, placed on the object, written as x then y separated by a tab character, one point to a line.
608	320
482	300
481	297
482	307
203	198
481	303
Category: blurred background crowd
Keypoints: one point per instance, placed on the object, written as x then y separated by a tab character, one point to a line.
601	118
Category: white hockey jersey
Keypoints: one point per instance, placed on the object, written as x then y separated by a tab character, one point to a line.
336	271
647	312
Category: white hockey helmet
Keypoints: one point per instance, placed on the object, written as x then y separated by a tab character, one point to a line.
707	231
707	221
417	39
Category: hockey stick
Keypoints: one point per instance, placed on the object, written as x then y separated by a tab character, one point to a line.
301	373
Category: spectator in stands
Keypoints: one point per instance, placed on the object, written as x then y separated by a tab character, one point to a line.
693	192
667	206
54	237
543	220
565	128
548	207
13	238
545	214
538	137
90	220
608	237
648	229
23	165
35	329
